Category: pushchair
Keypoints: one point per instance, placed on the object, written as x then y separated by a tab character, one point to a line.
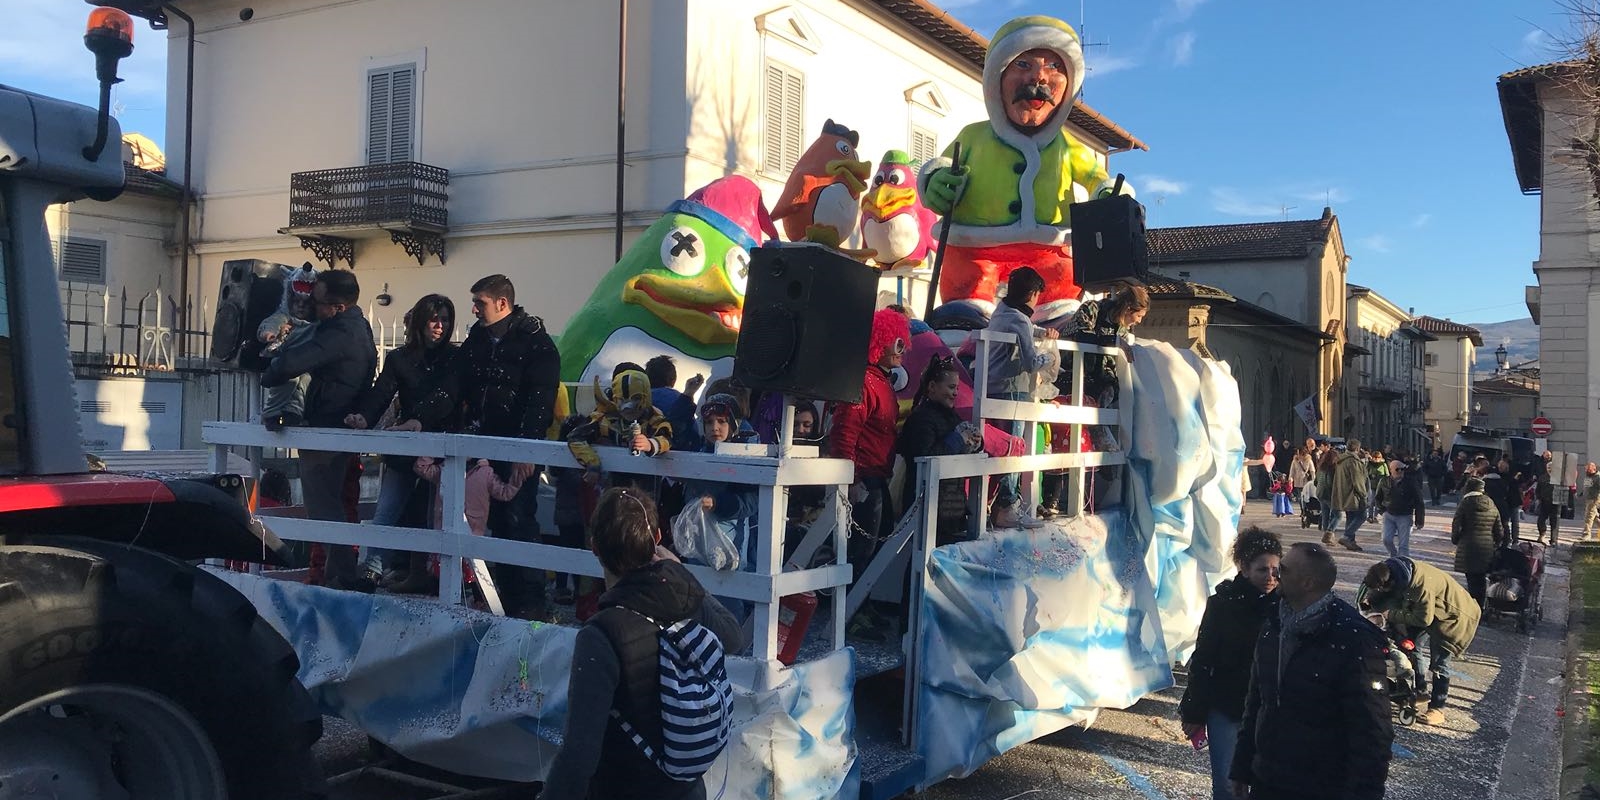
1310	511
1400	674
1516	584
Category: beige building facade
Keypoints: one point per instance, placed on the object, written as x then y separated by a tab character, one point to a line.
1386	387
1272	356
1294	271
1447	364
1553	145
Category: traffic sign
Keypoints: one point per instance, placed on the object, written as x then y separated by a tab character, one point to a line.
1541	426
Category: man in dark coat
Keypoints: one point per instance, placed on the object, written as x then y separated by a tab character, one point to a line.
511	373
1316	720
340	358
1435	468
1545	491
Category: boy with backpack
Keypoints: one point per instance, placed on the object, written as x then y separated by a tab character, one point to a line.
655	650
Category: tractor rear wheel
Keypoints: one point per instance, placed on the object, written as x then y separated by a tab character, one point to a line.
139	676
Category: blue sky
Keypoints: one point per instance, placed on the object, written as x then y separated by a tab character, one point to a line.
1386	111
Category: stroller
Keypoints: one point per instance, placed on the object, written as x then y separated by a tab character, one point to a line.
1400	674
1310	511
1516	583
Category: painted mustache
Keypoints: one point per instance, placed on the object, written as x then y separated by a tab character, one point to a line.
1033	92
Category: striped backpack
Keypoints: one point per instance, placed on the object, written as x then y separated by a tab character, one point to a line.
696	701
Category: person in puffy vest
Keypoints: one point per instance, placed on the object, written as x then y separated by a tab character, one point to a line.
1475	531
615	684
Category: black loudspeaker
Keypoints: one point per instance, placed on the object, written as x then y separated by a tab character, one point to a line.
251	291
1108	242
807	319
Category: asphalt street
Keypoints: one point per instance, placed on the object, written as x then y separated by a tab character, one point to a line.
1507	682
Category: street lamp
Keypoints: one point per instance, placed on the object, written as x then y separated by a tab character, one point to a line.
1502	358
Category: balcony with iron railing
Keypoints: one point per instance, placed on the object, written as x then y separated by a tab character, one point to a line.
331	208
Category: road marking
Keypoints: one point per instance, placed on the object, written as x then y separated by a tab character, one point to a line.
1140	783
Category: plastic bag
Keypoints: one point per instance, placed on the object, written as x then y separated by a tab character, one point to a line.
697	537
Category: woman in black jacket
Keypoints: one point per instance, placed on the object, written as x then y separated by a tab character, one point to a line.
1219	671
934	429
423	374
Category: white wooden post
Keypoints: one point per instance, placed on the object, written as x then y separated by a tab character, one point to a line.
838	499
922	548
978	502
453	491
769	562
1075	476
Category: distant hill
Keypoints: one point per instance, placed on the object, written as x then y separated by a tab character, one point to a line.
1520	336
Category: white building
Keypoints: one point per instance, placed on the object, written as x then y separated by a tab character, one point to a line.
517	101
1551	129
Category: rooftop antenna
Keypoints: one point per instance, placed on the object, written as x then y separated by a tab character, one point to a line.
1083	38
1286	210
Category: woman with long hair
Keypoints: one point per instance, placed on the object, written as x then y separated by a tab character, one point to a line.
421	376
935	429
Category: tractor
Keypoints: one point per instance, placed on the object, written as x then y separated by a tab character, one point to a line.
126	671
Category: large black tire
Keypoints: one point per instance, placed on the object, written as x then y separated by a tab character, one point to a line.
76	611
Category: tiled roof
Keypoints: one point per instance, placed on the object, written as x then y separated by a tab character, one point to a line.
1519	108
1161	286
1245	241
970	46
154	184
1446	328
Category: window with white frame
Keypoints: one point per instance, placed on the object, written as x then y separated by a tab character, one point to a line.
785	110
924	145
391	113
81	260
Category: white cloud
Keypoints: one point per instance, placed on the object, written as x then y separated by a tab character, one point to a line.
1377	243
1157	185
1331	195
1536	42
1183	48
1225	200
1421	220
1106	64
1183	9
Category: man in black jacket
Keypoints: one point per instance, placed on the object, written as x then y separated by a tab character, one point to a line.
1404	508
1316	720
340	358
1545	491
511	373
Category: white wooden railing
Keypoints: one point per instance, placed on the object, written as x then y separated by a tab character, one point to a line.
931	470
765	586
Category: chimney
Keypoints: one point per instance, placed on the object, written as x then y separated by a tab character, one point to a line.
1327	212
1183	275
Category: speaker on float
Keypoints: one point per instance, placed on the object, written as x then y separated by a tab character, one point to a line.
807	319
251	291
1108	241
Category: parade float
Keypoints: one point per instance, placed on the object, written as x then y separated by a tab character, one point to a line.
1011	635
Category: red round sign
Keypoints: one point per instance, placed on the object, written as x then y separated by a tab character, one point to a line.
1541	426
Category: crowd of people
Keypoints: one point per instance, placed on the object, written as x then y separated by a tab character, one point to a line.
1292	686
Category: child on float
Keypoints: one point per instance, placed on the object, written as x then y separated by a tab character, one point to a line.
730	507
